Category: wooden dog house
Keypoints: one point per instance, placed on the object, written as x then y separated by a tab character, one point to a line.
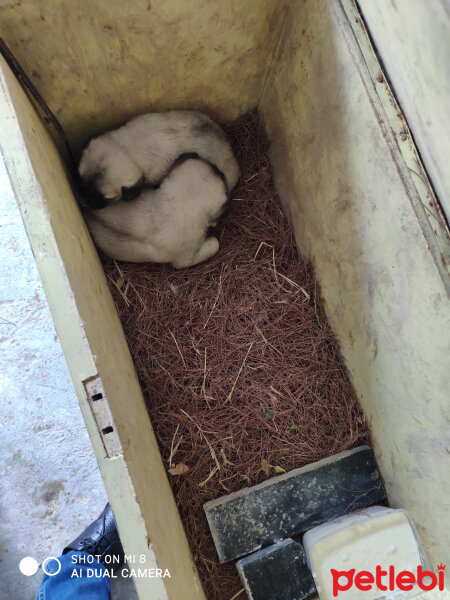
346	165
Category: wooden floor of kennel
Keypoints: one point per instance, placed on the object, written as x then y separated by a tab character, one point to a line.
345	164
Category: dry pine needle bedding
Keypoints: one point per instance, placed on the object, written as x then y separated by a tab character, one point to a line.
240	370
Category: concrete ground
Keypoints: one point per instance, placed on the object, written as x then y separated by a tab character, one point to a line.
50	485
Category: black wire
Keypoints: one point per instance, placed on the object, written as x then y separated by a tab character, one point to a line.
29	87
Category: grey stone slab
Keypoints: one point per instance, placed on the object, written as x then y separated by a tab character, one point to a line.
283	506
278	572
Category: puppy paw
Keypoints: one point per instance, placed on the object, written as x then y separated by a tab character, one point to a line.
209	248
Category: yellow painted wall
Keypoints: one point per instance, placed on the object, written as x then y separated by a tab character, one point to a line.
97	64
94	346
339	170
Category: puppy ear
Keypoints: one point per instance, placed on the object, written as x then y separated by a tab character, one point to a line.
125	193
129	193
226	209
132	192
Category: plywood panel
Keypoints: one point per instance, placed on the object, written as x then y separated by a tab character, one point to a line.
355	209
413	39
98	63
94	345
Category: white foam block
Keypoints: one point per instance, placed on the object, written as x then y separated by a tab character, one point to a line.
361	541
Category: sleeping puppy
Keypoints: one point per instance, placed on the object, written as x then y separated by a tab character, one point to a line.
120	164
168	224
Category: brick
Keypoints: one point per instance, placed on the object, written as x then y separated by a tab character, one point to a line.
278	572
292	503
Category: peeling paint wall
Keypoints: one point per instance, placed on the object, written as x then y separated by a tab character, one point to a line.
340	172
97	64
413	39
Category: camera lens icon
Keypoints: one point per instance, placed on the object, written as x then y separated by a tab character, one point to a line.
49	570
29	566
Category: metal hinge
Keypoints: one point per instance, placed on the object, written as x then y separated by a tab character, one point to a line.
103	417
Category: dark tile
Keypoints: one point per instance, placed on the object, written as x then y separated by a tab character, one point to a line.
283	506
278	572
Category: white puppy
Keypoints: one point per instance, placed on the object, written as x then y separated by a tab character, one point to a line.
167	224
119	164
